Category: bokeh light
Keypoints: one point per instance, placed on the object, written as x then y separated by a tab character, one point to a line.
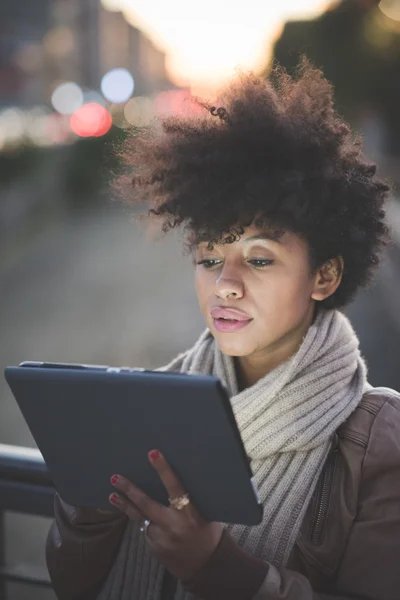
139	111
67	98
59	41
91	120
391	9
174	102
117	85
56	128
111	5
29	57
37	125
239	37
117	114
12	126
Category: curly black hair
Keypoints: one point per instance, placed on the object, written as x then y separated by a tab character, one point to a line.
273	152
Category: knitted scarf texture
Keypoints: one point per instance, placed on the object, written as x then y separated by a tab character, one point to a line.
287	420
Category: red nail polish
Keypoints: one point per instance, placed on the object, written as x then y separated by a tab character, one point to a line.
114	479
114	498
154	454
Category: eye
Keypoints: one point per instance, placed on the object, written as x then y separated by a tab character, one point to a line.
207	263
259	263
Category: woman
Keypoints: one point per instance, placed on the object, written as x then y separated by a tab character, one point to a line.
284	221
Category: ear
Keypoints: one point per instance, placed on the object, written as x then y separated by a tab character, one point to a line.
328	278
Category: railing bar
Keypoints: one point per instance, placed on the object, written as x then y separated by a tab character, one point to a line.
18	463
26	574
25	486
2	555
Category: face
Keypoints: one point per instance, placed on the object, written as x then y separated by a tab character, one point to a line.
269	281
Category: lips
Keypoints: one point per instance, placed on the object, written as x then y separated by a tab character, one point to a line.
229	313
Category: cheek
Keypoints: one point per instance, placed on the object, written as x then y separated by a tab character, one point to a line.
288	295
202	288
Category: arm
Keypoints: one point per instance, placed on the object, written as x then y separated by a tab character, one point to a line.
370	564
232	573
81	548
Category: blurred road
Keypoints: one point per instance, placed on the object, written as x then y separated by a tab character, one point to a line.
93	289
376	317
375	314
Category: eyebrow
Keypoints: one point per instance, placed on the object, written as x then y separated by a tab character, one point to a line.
273	237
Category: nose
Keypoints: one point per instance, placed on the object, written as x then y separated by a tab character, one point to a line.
226	287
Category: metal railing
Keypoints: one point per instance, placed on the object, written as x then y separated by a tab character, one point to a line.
25	487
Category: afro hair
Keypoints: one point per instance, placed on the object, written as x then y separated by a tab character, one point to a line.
273	152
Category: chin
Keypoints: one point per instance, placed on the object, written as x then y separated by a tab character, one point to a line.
233	347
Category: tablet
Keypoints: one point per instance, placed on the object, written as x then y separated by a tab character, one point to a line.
90	422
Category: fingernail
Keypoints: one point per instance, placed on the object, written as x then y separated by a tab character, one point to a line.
154	454
114	498
114	479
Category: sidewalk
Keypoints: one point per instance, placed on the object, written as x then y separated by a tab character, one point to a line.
390	268
393	217
89	289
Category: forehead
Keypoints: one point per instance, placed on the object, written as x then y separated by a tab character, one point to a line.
250	234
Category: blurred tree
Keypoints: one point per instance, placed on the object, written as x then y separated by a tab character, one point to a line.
86	172
358	48
37	181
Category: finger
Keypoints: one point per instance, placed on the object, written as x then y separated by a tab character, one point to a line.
167	475
126	507
149	508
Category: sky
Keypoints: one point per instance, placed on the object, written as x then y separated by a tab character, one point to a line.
207	41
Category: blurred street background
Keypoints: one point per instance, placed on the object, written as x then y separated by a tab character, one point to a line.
80	279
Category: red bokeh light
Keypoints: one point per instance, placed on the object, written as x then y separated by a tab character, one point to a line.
56	128
91	120
176	102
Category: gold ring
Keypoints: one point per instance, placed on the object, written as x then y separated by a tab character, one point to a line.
179	502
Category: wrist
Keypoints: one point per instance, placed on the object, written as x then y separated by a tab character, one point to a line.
230	573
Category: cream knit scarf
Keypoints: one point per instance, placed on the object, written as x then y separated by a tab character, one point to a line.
287	420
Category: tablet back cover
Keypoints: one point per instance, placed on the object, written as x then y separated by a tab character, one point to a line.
89	425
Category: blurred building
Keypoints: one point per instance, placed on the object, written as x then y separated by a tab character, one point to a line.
22	28
45	42
122	45
358	48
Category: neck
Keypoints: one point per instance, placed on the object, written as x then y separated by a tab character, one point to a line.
249	369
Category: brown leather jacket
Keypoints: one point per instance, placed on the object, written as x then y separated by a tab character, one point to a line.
348	547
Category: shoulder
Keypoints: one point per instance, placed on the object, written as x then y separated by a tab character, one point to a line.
373	544
370	443
382	457
376	420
